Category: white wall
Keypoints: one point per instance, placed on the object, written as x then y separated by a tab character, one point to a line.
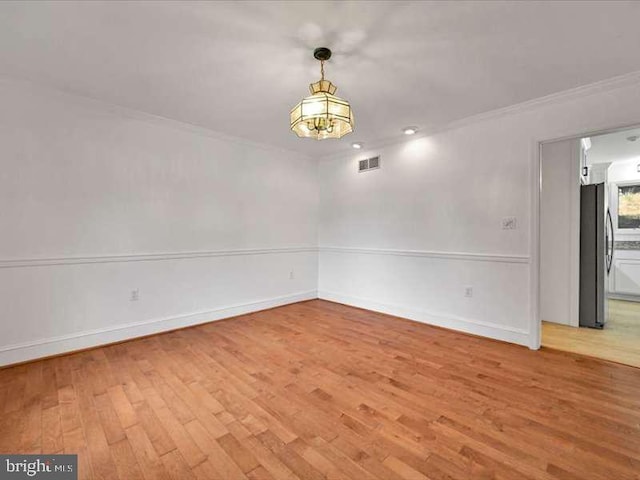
408	238
560	232
625	171
96	201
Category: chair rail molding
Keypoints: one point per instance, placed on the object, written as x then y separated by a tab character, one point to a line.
469	256
40	262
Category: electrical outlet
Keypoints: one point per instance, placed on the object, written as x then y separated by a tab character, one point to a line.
135	295
468	292
291	275
509	223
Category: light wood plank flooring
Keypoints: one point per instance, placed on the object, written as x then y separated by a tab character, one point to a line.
619	341
319	390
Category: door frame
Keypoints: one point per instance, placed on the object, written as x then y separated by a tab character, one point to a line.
535	323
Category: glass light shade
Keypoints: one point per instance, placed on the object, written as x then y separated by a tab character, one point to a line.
322	115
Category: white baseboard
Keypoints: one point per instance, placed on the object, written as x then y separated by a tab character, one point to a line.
624	296
46	347
475	327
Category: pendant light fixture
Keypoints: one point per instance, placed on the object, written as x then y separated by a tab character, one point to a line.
322	115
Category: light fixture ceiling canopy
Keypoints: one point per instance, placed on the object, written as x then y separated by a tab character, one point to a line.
322	114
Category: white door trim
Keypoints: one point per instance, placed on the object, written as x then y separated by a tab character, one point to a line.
535	322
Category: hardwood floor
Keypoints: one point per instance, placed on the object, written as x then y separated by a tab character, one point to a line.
319	390
619	341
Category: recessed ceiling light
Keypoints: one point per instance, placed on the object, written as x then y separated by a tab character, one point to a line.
357	145
409	130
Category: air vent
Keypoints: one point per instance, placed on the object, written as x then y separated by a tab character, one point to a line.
369	164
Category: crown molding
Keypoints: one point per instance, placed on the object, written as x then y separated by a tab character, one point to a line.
610	84
131	113
614	83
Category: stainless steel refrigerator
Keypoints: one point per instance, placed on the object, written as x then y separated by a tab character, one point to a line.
596	254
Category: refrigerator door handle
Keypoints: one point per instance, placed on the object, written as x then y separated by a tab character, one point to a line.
609	252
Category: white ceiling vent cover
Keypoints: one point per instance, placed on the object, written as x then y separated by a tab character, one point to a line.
369	164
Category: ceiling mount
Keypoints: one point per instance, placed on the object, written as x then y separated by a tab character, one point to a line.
322	53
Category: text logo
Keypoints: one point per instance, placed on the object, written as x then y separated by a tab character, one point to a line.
39	467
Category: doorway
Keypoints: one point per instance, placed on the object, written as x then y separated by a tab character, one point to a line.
590	246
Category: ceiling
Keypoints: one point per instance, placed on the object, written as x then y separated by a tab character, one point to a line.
238	67
614	147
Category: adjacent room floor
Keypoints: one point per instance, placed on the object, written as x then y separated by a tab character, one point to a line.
619	341
319	390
